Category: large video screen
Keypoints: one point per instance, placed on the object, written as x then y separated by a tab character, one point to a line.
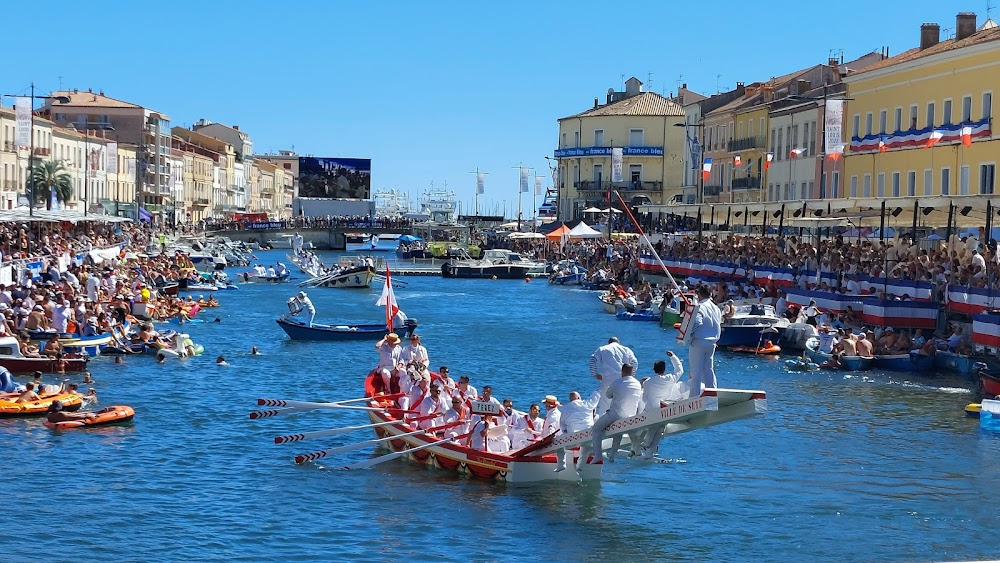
335	177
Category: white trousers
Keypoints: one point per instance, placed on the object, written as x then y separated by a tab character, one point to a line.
701	365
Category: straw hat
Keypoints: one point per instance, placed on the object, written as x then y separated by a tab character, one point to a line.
551	400
392	338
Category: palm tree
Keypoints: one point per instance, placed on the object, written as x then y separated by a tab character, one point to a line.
51	177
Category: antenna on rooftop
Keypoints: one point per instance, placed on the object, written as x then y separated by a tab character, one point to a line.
623	81
718	78
649	81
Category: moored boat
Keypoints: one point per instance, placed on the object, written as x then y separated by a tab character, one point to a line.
16	362
958	363
646	315
847	363
744	327
989	383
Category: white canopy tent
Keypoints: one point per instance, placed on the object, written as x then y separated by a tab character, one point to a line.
583	230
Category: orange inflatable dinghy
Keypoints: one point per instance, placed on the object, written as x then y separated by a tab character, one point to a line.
10	409
109	415
768	350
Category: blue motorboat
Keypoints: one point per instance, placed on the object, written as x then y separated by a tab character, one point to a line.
912	362
299	330
968	366
847	363
748	321
638	316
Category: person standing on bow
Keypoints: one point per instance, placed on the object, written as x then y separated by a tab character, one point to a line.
702	334
307	306
389	357
606	366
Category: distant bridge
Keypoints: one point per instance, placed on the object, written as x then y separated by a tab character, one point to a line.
333	238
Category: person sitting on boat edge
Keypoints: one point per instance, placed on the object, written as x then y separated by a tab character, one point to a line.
28	395
625	394
57	414
577	415
445	378
389	357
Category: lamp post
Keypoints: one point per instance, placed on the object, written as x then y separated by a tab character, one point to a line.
31	142
87	126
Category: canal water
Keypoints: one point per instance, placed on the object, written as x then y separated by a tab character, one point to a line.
843	467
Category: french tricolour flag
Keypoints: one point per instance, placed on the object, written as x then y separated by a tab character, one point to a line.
706	169
934	138
767	160
796	152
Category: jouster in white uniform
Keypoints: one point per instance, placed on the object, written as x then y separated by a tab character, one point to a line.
662	386
308	306
389	354
625	394
457	413
702	334
606	365
577	415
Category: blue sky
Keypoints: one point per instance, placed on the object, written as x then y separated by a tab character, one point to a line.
431	91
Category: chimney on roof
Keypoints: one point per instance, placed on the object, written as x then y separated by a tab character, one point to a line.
930	35
611	92
965	25
236	127
90	90
685	86
832	61
102	92
596	102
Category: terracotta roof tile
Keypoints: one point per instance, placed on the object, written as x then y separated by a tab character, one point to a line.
981	36
646	103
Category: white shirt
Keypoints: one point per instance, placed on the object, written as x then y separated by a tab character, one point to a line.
608	360
432	405
388	355
411	353
625	395
551	424
579	414
522	433
92	284
662	386
468	395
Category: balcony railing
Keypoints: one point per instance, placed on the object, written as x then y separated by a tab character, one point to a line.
592	186
9	146
41	151
746	183
712	190
745	144
201	202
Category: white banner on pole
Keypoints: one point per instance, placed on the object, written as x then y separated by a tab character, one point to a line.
22	112
538	185
112	158
524	179
833	123
616	165
480	183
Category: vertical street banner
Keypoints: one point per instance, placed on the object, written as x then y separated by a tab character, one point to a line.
833	123
22	112
480	183
538	185
524	179
616	164
112	158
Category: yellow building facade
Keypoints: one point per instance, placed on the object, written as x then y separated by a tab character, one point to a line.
645	126
931	95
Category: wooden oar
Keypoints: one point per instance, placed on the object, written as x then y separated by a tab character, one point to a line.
375	461
308	405
254	415
284	403
337	431
302	458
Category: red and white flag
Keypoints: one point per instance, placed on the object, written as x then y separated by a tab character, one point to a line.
967	136
736	161
881	145
767	160
796	152
934	138
706	169
388	300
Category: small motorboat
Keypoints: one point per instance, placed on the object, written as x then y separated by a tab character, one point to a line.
973	409
989	383
109	415
646	315
10	409
847	363
12	359
299	330
913	362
